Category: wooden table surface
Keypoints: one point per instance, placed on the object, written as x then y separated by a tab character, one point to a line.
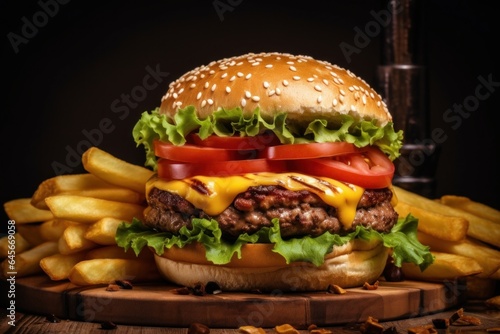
37	324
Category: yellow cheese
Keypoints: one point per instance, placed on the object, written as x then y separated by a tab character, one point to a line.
214	194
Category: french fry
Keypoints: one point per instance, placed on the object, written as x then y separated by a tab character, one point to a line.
105	271
116	171
23	212
479	228
82	185
473	207
443	227
53	229
115	252
495	275
487	257
103	231
28	262
89	210
58	266
32	233
17	243
73	239
445	267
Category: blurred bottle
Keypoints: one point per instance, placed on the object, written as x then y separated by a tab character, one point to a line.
402	79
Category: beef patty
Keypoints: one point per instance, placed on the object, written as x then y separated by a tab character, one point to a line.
300	213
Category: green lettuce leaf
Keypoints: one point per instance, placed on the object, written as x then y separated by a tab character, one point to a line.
155	126
402	240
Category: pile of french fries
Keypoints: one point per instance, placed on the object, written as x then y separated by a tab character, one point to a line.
67	228
463	235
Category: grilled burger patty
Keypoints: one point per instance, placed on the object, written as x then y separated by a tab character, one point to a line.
300	212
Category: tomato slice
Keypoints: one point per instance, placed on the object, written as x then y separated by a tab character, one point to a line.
193	153
174	170
258	142
368	169
308	151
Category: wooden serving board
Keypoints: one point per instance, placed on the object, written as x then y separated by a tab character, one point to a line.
157	305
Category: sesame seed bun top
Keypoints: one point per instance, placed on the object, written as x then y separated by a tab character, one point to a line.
303	87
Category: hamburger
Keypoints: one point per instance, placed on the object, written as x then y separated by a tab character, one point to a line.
273	171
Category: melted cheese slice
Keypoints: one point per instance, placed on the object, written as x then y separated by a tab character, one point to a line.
214	194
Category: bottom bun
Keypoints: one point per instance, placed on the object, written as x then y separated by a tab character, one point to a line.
259	268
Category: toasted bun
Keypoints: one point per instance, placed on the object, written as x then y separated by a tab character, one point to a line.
259	268
303	87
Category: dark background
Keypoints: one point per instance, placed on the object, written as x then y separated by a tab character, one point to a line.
65	77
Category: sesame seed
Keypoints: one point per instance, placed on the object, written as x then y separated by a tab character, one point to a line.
296	78
243	102
351	88
325	82
372	95
248	76
178	103
319	99
206	84
378	103
202	75
292	68
248	94
223	75
192	85
265	84
256	63
318	88
353	107
203	103
364	99
210	101
285	83
336	81
356	87
290	62
232	78
278	91
310	79
174	95
211	72
341	98
198	96
334	74
255	98
269	65
342	92
228	89
334	102
240	75
271	92
214	86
